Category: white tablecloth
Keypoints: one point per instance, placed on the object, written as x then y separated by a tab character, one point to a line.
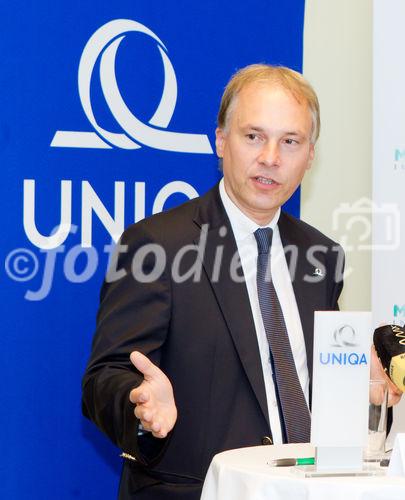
244	474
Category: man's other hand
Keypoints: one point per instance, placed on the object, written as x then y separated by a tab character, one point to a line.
377	373
154	400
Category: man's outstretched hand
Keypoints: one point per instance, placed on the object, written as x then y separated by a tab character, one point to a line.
154	400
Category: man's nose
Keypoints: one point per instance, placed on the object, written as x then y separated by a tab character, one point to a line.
269	154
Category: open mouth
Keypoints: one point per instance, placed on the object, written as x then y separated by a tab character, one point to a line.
265	180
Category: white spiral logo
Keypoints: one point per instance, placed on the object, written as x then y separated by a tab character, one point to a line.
344	336
105	42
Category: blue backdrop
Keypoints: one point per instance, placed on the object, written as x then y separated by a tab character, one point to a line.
49	296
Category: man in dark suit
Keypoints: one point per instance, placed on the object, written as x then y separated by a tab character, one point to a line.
183	364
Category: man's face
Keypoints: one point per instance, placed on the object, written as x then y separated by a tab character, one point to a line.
266	149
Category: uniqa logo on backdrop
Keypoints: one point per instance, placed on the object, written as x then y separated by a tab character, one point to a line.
105	42
344	337
103	45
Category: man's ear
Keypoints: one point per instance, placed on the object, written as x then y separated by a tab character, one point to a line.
311	155
220	141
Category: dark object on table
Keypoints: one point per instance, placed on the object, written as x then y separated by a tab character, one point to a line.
389	342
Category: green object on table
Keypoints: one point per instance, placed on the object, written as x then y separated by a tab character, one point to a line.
290	462
305	461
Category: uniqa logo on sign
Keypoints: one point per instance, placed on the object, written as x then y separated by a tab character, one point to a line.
105	42
343	337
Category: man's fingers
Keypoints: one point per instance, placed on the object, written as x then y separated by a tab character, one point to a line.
155	406
144	365
143	414
139	395
160	434
150	422
155	427
158	430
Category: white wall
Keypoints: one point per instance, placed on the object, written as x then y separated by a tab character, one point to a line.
338	54
338	63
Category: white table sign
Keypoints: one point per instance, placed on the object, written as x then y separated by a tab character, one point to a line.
341	371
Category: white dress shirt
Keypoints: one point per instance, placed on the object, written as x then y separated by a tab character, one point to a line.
243	229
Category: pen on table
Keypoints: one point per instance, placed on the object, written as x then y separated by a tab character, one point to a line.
289	462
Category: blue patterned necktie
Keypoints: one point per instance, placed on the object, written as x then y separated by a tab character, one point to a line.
294	414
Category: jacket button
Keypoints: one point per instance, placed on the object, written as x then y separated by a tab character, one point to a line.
267	440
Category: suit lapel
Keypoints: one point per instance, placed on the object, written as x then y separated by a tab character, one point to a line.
231	295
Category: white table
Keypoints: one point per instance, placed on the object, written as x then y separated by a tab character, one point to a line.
244	474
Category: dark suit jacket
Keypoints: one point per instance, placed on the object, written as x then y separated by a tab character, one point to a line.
201	333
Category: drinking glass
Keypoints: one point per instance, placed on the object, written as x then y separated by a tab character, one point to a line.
377	421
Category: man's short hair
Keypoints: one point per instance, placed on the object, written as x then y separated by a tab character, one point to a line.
281	76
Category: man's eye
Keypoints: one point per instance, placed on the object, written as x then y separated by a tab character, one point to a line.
291	141
252	137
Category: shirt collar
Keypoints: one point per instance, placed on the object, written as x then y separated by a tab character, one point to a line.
242	225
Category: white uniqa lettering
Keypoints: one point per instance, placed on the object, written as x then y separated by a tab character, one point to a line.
61	231
92	203
172	188
139	206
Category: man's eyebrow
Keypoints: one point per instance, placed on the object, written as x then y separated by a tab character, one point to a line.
255	128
